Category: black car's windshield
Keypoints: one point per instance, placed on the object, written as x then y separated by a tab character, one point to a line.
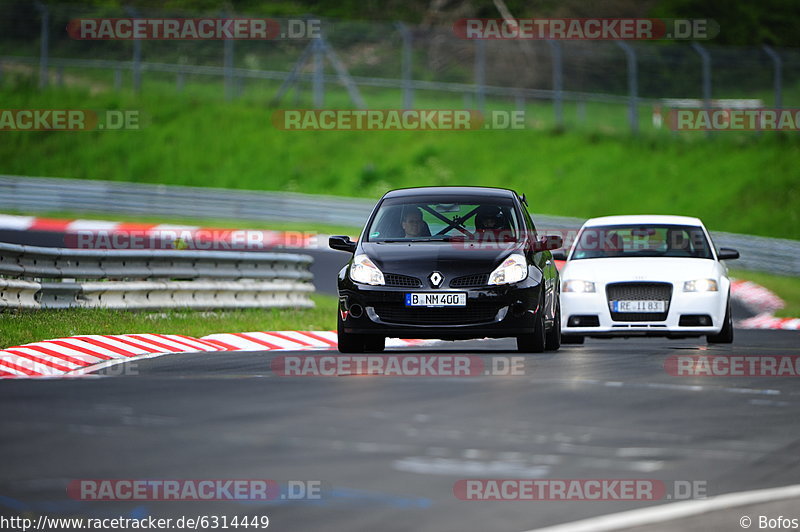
649	240
444	219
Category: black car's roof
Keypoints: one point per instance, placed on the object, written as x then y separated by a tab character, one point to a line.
455	191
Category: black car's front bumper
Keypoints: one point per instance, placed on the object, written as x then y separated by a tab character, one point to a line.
491	312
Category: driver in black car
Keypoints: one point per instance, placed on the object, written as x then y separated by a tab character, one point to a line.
413	224
490	225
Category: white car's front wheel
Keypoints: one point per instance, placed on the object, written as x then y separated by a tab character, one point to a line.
725	335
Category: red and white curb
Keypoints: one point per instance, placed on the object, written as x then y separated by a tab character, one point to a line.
99	234
756	297
74	355
763	301
768	321
65	355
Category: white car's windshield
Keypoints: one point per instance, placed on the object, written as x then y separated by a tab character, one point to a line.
443	219
650	240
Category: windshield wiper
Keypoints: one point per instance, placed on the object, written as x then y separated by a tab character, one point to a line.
424	239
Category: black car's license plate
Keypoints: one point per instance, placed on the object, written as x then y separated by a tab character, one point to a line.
436	299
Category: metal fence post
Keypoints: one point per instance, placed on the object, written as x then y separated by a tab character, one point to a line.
228	66
705	57
318	80
44	51
558	81
137	55
408	90
777	76
633	85
480	74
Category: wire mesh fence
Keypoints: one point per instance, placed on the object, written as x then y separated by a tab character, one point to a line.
395	65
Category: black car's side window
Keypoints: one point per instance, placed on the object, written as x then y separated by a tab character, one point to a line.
529	222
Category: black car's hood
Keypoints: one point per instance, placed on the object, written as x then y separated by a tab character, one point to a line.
452	259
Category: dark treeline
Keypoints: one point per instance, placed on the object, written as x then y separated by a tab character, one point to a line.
742	22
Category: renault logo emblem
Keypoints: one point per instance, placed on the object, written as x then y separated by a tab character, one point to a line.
436	279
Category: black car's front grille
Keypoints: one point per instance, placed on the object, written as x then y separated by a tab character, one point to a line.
472	313
480	279
395	279
639	292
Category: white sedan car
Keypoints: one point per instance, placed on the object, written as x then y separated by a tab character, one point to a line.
645	276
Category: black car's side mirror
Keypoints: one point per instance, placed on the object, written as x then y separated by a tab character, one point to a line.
559	254
727	254
549	242
342	243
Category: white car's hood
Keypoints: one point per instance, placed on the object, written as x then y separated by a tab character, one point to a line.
609	270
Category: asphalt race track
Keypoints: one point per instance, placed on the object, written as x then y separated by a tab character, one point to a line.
388	450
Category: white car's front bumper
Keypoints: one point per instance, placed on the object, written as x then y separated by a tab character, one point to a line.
711	304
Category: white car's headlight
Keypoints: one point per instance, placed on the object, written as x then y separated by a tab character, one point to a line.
513	270
364	271
575	285
701	285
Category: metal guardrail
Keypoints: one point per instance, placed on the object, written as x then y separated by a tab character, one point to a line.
36	194
35	277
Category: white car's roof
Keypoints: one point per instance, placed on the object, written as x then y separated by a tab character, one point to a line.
643	219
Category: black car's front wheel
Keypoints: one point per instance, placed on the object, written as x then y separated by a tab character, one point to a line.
553	336
358	343
534	342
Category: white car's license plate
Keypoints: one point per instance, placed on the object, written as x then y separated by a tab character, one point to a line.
437	299
638	306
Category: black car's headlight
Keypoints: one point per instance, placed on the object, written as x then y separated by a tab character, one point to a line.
513	270
364	271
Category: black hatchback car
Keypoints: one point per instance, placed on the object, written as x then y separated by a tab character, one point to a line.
449	263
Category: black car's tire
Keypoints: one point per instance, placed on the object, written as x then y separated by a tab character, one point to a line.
374	344
552	340
349	343
534	342
571	339
725	336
